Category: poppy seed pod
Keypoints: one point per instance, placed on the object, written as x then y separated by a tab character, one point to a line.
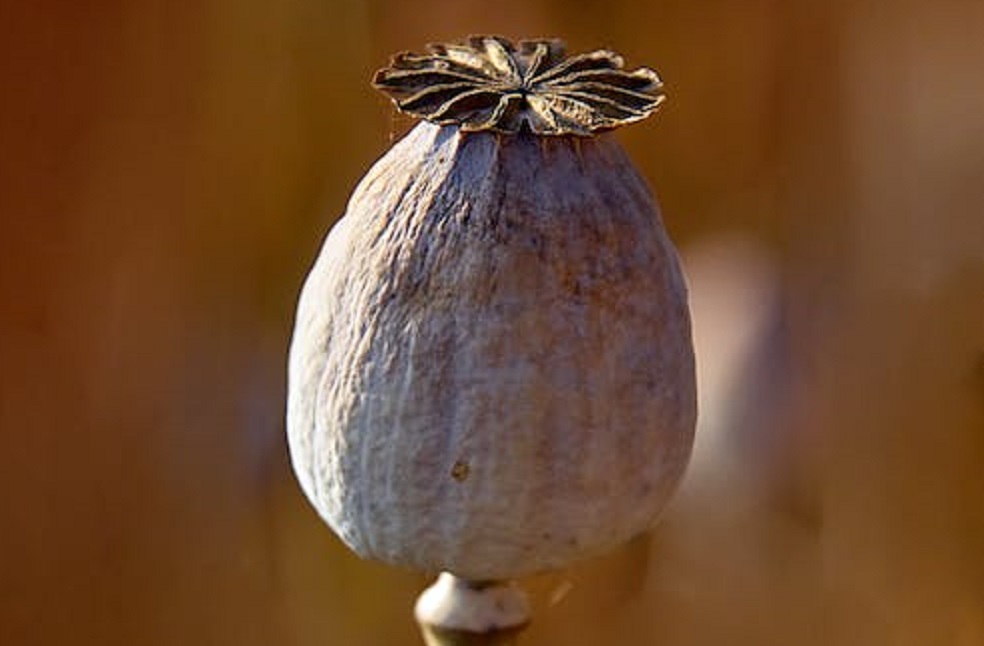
492	372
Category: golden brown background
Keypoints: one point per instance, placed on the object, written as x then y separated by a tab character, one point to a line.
167	170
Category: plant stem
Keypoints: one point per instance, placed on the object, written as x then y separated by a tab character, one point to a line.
458	612
439	637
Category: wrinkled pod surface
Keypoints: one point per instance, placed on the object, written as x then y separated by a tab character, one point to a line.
488	357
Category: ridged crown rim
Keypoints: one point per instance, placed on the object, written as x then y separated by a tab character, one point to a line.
487	83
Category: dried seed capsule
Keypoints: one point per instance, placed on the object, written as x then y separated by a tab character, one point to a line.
491	371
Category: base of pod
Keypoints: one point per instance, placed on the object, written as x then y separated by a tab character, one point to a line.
458	612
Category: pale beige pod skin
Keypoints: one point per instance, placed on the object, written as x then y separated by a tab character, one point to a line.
492	372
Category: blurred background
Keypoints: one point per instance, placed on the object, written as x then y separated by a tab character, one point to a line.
168	170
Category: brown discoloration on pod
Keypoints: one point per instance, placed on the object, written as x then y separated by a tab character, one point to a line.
460	470
512	299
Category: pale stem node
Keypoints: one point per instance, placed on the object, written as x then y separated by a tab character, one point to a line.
458	612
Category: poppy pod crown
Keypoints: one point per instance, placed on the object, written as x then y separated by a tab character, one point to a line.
487	83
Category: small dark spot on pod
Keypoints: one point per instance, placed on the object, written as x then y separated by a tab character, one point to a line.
460	470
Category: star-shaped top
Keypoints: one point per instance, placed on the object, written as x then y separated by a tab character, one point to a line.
488	83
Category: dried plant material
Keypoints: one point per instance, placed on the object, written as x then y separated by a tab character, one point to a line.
492	371
490	84
456	611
